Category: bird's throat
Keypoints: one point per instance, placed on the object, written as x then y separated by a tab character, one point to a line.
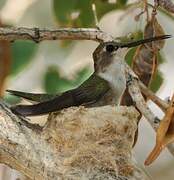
115	76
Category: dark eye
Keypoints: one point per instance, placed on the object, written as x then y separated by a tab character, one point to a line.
110	48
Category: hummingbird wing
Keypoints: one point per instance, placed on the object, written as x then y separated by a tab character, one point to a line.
88	92
33	97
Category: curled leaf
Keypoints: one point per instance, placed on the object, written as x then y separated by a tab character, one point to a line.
164	135
145	60
153	28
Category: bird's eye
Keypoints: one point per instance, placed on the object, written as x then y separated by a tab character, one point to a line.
110	48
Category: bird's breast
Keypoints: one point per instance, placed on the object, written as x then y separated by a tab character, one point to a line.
115	75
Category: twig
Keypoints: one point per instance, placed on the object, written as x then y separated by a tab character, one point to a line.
146	10
95	15
149	94
164	134
137	97
37	35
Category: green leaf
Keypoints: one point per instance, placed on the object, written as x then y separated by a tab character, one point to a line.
103	7
2	2
160	58
22	52
82	76
63	11
54	83
122	2
133	37
156	82
129	56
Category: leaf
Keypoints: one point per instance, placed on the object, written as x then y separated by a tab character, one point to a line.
54	83
156	82
79	13
129	56
82	76
132	37
22	53
153	28
2	2
145	61
164	134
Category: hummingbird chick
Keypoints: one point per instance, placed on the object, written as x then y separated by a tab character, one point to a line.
104	87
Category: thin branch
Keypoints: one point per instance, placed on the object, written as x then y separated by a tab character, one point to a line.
137	97
149	94
37	35
95	15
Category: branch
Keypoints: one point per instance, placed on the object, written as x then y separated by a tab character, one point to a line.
135	92
137	97
149	94
37	35
91	145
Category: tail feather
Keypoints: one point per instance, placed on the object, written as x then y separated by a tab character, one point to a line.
58	103
33	97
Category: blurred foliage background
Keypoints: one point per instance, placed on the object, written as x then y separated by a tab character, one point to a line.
57	66
73	13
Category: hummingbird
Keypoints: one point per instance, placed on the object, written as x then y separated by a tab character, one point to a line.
104	87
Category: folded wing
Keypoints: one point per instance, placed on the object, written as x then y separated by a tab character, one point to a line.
89	92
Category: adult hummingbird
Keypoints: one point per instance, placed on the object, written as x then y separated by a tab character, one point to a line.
104	87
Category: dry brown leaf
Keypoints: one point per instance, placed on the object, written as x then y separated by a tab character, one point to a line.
145	60
164	135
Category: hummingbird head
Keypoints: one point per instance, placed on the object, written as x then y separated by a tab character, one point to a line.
109	53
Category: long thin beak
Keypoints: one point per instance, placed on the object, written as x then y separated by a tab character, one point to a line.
143	41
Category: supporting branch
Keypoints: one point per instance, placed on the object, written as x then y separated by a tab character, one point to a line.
149	94
137	97
135	92
37	35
